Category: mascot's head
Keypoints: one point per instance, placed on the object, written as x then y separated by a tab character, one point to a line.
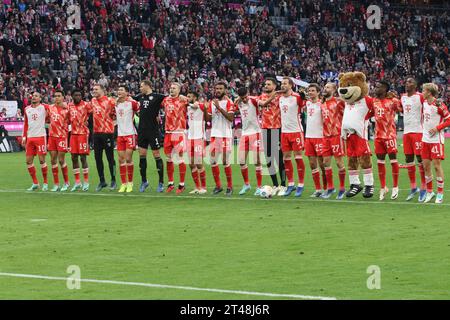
352	86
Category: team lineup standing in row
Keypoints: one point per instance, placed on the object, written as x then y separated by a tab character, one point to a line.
271	124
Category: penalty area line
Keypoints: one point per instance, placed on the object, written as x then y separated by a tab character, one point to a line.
165	286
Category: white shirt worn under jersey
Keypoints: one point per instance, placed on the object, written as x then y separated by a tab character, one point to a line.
36	121
412	113
196	123
220	126
431	119
354	120
125	118
290	109
249	116
314	120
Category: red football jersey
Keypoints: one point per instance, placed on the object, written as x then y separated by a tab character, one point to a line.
384	111
59	121
104	114
332	114
78	116
175	111
271	114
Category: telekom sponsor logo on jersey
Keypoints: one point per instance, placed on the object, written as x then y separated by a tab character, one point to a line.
291	107
249	116
412	112
34	125
314	121
125	117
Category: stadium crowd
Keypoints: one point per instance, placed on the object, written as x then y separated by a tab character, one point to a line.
127	41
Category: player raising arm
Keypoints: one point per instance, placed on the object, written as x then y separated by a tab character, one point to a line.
79	112
271	134
436	117
57	141
126	136
34	139
292	138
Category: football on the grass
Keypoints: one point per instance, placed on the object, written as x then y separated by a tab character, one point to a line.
266	192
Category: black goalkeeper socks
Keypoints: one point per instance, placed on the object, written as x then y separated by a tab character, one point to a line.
143	168
160	169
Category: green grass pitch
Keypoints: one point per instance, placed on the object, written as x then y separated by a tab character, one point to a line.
305	247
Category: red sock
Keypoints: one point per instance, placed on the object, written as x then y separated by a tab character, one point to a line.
85	175
342	179
216	175
423	181
316	178
76	173
395	173
32	172
324	180
130	171
329	176
55	174
382	173
44	170
123	173
229	175
300	170
259	176
170	170
429	183
195	177
440	184
182	168
65	172
202	174
412	174
289	171
244	171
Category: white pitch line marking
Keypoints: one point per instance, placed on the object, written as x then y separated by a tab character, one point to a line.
165	286
38	220
297	201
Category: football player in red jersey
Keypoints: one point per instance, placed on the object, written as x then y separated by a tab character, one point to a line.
333	145
79	112
57	141
271	134
104	116
384	111
175	109
34	139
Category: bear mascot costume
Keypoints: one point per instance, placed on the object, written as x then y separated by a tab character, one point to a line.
353	89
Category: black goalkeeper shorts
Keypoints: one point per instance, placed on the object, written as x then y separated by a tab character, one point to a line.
153	140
